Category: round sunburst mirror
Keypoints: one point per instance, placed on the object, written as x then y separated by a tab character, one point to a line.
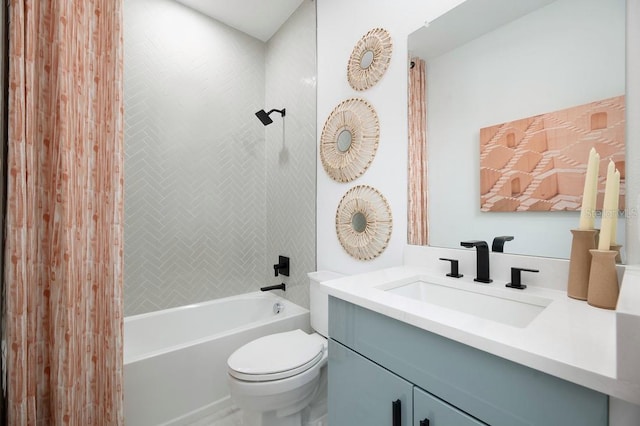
364	222
370	59
349	140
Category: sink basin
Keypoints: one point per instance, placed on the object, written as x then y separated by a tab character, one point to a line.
517	310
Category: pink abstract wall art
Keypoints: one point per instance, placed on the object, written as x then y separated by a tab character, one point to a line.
539	163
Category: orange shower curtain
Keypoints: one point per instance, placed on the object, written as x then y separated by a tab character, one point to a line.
63	267
417	229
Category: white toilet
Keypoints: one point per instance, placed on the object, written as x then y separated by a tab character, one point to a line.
281	379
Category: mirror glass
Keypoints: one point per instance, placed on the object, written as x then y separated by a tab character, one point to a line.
366	59
521	59
359	222
344	141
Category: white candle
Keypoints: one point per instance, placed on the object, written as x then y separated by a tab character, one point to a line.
616	206
589	194
608	208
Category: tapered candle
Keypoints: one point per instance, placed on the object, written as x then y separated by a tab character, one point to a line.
608	208
616	206
587	211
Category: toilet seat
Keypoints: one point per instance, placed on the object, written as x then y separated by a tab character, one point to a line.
277	356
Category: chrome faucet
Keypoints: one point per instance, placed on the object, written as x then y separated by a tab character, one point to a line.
482	259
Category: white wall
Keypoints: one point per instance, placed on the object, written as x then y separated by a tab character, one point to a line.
340	25
633	129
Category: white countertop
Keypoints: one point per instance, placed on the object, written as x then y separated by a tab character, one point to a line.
568	339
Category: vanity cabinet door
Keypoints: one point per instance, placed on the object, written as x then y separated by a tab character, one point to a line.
363	393
431	411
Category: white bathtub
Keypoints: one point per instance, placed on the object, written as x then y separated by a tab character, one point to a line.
175	360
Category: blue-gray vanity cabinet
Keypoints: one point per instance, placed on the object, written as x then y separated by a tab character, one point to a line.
431	411
363	393
491	389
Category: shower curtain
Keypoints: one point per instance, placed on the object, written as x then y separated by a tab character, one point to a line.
63	267
417	209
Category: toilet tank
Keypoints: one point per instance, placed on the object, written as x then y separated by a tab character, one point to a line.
319	300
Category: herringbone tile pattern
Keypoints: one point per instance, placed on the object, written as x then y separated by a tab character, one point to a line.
209	204
194	167
291	154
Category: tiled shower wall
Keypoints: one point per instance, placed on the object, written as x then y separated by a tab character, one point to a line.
291	149
202	183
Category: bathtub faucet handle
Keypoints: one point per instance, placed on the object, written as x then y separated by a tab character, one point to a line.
282	267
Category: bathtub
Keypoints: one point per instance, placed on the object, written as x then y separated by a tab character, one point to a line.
175	360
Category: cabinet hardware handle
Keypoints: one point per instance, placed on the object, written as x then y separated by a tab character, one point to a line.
424	422
396	407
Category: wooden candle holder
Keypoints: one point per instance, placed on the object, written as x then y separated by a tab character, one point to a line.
580	262
617	248
603	280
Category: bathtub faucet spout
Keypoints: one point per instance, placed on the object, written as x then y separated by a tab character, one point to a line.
282	287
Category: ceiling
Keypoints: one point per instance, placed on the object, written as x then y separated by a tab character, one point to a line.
258	18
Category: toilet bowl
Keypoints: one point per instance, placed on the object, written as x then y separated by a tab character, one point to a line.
280	379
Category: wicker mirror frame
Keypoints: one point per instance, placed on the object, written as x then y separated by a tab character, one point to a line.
359	118
376	42
370	241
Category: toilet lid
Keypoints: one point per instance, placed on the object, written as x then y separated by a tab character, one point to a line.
276	356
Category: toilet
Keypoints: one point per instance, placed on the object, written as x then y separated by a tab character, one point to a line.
281	379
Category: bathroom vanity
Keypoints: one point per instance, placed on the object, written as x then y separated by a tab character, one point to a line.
375	361
400	354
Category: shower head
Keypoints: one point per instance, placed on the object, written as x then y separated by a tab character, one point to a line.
264	116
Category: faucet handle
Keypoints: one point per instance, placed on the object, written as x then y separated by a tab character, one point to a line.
516	279
454	268
282	267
